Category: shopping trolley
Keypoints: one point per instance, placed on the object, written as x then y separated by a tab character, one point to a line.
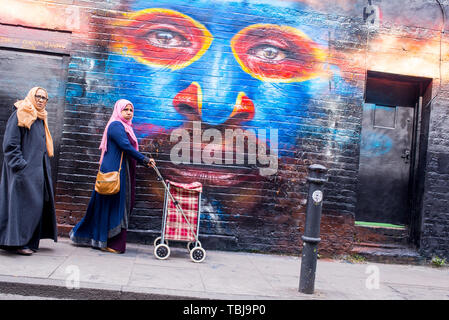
181	219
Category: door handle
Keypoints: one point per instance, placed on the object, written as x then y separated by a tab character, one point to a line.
406	156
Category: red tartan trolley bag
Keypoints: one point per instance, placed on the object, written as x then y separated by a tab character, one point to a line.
181	219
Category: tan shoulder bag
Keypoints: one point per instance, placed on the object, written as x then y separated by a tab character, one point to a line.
108	183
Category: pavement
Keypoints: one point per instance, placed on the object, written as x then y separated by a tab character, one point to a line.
63	270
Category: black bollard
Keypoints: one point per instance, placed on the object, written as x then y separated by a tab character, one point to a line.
311	236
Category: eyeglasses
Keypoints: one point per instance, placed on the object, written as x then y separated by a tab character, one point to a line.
41	98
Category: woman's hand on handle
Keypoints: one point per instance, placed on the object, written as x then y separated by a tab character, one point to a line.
152	163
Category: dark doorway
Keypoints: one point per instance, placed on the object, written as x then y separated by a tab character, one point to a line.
385	163
386	192
21	70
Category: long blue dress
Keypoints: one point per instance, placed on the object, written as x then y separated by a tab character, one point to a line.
107	215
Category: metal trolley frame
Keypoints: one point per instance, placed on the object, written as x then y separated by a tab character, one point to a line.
161	248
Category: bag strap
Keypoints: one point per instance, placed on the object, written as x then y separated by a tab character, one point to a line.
119	168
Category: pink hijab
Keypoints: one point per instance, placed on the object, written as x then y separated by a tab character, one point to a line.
117	116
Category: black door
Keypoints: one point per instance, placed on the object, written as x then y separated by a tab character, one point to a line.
384	170
20	71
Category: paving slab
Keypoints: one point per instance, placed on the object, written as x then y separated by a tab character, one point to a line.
174	278
20	266
95	269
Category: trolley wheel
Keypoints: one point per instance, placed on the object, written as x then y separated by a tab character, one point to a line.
161	251
158	241
198	254
191	245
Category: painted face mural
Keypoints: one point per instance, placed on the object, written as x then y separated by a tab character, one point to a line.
214	68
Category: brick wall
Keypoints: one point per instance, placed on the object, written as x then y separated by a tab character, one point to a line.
435	211
315	103
268	216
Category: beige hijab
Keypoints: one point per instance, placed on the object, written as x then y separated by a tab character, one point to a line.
28	112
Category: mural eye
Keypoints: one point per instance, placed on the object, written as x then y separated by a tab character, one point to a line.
161	38
275	53
268	53
167	39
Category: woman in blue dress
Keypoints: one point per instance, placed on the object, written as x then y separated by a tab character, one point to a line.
106	220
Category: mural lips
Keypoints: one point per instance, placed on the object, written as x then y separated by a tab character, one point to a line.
218	155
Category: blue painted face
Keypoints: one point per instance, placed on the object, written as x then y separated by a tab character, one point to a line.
251	62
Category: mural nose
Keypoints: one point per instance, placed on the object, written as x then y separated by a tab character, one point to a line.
243	109
189	101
